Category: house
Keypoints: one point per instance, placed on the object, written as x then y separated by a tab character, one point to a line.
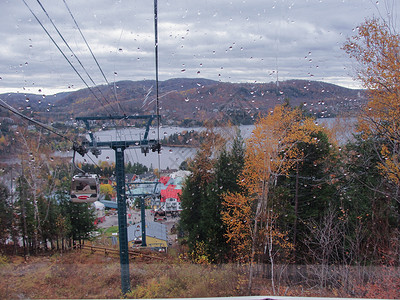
170	190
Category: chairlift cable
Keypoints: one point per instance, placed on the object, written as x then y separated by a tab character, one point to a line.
73	53
66	58
73	162
75	146
94	57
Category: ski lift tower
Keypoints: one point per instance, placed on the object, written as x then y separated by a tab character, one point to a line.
119	147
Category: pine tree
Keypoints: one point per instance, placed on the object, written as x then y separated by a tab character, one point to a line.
202	196
5	213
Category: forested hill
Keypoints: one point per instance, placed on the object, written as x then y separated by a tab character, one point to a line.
188	100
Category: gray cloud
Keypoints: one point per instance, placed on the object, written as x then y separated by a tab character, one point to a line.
223	40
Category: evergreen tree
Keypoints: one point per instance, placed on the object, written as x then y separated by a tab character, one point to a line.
369	201
308	190
193	197
227	168
5	213
202	197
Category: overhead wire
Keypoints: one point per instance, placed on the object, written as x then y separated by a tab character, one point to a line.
94	57
62	52
73	53
46	127
83	67
97	63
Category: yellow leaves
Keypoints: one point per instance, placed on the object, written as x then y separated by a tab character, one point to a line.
271	150
3	142
199	254
376	47
237	217
107	190
390	167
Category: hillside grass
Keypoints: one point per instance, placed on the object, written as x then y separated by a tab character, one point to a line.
83	275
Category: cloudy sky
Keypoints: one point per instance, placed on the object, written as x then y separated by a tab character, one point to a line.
235	41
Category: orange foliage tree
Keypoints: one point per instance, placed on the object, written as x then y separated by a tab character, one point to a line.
270	152
376	48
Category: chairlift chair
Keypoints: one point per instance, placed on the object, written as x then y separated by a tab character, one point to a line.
85	188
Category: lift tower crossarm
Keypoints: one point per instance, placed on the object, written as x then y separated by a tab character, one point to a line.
143	142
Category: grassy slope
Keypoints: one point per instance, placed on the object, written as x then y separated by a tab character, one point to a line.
86	275
83	275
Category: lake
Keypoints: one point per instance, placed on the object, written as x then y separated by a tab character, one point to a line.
172	157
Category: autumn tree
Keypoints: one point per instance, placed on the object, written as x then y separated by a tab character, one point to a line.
35	170
376	48
271	152
107	190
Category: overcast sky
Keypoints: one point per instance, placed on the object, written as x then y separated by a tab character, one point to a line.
230	41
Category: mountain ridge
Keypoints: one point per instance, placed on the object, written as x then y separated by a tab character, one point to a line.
193	100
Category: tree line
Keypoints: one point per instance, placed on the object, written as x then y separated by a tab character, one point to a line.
38	215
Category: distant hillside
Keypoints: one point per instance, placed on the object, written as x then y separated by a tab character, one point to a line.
189	100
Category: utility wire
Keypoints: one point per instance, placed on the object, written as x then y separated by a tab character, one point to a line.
59	49
73	53
91	52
